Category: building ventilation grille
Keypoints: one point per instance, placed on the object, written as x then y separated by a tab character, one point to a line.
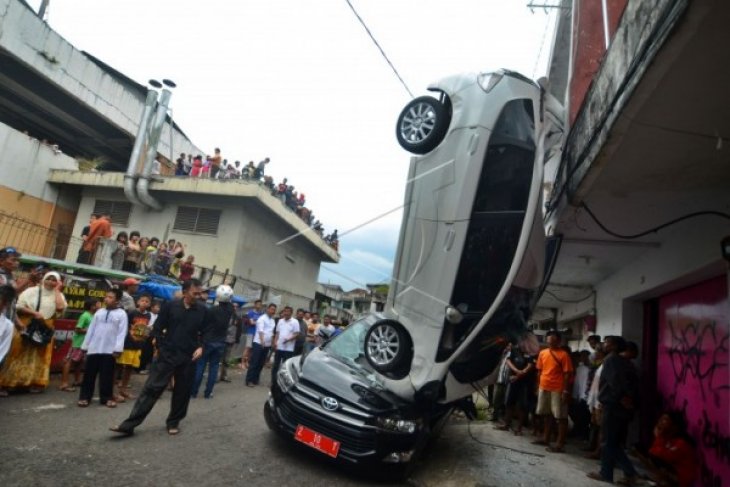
197	220
119	211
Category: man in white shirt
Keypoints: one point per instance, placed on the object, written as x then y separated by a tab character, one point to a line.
262	339
287	331
324	331
104	342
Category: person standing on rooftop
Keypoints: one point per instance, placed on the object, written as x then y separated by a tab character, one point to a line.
215	163
261	168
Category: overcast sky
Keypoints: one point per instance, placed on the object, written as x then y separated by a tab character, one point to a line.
302	83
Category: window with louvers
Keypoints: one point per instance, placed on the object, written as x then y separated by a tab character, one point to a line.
119	211
197	220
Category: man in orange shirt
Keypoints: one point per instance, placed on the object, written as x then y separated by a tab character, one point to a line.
99	228
215	163
554	369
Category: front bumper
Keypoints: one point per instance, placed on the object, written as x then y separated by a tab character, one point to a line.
361	443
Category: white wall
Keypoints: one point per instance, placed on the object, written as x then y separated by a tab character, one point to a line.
691	253
246	243
292	266
25	162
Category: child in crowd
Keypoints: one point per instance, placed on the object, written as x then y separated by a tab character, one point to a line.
148	348
7	295
138	321
104	342
75	357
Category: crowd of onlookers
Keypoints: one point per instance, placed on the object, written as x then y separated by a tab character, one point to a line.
116	336
134	253
544	388
216	167
596	392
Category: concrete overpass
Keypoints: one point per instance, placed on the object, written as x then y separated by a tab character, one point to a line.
66	96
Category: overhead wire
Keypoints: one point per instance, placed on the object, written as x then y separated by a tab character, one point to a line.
570	301
542	45
382	52
654	229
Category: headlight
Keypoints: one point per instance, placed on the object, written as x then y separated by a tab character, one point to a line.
398	425
487	81
284	379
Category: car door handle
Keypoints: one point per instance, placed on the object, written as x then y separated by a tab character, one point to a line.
449	239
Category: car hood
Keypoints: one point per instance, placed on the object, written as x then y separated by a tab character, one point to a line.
342	380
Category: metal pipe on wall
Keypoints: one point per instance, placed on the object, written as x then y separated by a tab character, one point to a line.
154	138
131	174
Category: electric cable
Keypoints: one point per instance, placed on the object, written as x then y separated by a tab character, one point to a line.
655	229
494	445
382	53
570	301
542	45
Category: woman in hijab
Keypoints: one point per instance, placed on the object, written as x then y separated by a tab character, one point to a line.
27	366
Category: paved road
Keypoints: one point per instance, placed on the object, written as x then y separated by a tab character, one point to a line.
47	440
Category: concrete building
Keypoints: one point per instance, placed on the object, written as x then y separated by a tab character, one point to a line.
62	109
234	226
59	106
328	301
641	203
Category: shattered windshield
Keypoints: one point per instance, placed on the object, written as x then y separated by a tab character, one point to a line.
349	346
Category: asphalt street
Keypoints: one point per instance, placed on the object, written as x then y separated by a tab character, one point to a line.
48	441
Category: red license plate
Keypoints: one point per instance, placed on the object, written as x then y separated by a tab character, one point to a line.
319	442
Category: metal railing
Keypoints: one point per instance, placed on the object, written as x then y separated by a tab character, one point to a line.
32	238
25	235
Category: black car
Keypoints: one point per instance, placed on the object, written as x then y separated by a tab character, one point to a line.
332	402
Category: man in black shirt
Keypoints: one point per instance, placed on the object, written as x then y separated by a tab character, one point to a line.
177	331
617	393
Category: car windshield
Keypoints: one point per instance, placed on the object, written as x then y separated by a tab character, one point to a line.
349	346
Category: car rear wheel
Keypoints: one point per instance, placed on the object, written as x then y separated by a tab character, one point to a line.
422	124
388	346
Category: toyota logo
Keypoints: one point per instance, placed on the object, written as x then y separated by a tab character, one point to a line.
330	403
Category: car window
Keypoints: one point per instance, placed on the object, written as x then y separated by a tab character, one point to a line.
496	220
349	345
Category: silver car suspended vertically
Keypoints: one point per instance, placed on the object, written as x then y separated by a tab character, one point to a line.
471	253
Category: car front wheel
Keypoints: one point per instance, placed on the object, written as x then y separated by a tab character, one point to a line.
388	346
422	124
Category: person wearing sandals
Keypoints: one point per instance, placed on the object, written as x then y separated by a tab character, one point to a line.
27	365
178	332
104	342
138	321
75	357
554	369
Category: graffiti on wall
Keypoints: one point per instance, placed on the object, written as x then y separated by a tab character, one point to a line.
694	371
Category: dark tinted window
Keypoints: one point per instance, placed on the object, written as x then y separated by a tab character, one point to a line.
496	220
118	210
197	220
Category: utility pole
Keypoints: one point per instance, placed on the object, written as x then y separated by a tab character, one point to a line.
42	9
